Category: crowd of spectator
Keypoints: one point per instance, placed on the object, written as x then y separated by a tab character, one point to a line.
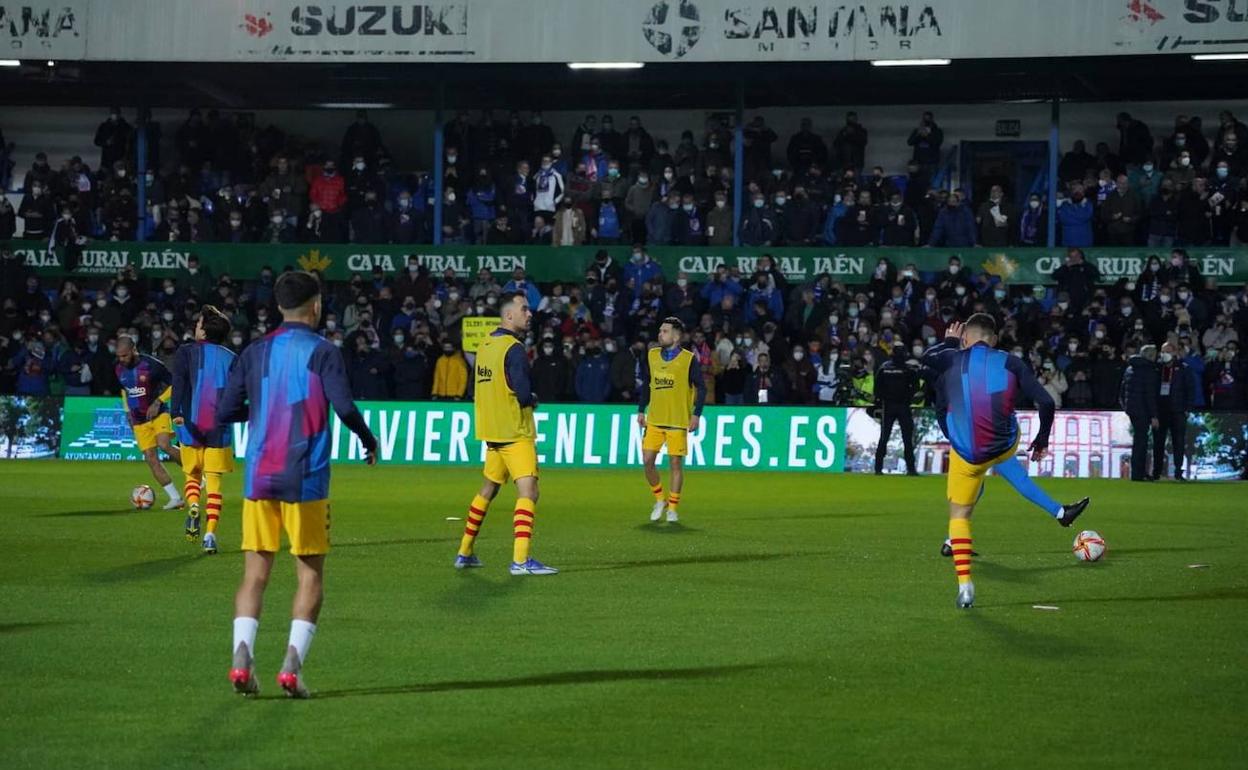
760	338
515	181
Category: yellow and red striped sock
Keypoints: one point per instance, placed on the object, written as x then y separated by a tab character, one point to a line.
960	542
190	490
213	482
522	527
657	491
476	517
673	500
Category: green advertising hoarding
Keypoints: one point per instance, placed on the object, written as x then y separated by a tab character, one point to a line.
771	438
547	263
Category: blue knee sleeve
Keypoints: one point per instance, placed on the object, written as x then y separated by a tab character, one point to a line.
1013	472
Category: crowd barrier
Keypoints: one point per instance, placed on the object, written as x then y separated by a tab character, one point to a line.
1091	444
546	263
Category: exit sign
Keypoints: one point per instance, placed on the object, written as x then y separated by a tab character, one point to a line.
1009	128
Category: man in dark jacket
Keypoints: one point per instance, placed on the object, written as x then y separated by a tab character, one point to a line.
551	373
1174	398
895	385
1138	398
367	371
955	225
1078	278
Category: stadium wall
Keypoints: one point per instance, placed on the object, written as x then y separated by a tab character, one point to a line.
1092	444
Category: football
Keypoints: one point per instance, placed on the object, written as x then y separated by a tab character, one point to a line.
1089	546
142	497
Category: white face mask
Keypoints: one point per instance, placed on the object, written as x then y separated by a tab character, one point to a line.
398	339
1166	358
238	341
953	269
682	282
959	290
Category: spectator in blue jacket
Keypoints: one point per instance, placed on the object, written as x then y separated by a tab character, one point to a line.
720	285
955	225
593	375
660	219
1075	216
482	198
758	224
33	369
518	282
73	366
641	269
835	212
763	292
608	229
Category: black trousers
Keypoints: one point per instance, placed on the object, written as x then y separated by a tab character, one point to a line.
1140	427
902	415
1174	424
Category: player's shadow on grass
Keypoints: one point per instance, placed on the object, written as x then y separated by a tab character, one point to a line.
400	541
33	625
805	516
557	679
660	528
676	561
145	570
1007	574
1030	642
1213	595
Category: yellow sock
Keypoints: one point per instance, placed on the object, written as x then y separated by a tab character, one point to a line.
657	491
522	525
673	500
960	541
476	516
212	481
190	490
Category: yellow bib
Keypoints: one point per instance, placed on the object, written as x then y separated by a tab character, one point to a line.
499	416
671	395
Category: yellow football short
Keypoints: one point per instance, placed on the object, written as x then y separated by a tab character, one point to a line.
966	480
677	440
306	525
145	433
197	460
514	460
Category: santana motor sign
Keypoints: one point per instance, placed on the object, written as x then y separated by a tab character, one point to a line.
512	31
546	263
568	435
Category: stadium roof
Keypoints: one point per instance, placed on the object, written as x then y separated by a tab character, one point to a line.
657	86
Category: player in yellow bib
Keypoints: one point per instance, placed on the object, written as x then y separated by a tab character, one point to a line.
669	406
503	400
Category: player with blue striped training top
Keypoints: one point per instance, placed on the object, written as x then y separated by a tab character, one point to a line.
976	388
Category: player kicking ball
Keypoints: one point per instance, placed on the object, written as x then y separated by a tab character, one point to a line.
669	405
200	372
503	401
145	392
976	388
284	386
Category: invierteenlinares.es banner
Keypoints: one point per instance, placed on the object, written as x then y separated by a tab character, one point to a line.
769	438
548	263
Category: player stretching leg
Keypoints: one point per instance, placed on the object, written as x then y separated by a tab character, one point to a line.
200	372
975	392
145	390
284	386
504	403
667	410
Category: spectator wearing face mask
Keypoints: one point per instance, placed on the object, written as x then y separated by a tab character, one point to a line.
1163	217
758	223
1181	171
1033	223
548	189
450	374
409	367
955	225
38	213
997	219
660	220
327	197
552	372
368	221
1224	195
927	139
1121	213
1230	153
569	226
637	202
1075	217
1228	380
1182	270
1174	399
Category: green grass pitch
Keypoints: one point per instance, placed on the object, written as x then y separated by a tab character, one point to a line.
795	620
